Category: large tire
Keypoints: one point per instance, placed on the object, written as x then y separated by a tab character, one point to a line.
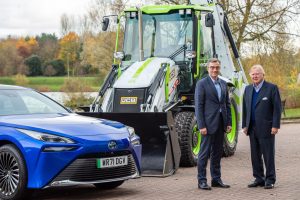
13	174
108	185
189	138
231	139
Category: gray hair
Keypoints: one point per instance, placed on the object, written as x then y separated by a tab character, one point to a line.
258	67
213	60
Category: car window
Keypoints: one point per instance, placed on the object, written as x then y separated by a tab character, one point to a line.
36	106
11	104
18	102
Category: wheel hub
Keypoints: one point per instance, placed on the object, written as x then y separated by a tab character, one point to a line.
9	173
195	139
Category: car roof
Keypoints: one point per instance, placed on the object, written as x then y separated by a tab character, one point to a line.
12	87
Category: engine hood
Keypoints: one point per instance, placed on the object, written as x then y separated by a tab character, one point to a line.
69	124
141	74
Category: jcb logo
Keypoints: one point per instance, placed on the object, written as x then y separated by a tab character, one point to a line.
128	100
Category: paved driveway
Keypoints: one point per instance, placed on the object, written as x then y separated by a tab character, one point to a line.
236	171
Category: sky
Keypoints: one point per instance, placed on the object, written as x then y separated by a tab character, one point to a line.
32	17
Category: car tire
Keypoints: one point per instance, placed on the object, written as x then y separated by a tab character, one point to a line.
189	138
231	139
14	173
108	185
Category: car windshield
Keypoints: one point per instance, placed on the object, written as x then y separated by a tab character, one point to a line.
23	102
162	36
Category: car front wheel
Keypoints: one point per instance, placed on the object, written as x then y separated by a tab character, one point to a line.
13	174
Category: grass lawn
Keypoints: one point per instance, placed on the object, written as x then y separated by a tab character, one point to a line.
53	84
292	112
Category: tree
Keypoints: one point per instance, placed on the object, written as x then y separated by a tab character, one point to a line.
48	47
26	46
260	20
10	61
49	70
96	12
34	65
118	6
57	66
98	46
66	24
70	50
257	20
98	51
23	48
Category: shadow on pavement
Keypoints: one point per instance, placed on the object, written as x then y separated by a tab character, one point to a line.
82	192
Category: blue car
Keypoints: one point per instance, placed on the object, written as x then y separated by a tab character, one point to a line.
43	144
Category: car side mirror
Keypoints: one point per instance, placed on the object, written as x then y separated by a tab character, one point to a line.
209	20
105	23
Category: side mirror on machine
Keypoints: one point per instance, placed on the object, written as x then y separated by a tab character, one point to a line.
190	54
119	55
209	20
105	23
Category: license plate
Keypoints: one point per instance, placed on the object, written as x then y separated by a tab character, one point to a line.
112	162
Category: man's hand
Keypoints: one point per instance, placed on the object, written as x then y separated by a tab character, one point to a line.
245	130
203	131
228	130
274	131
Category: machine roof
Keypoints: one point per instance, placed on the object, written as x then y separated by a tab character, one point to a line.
160	9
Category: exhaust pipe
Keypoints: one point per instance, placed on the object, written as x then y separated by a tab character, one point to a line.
140	18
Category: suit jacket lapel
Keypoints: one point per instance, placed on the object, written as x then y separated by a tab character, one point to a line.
250	97
223	89
212	87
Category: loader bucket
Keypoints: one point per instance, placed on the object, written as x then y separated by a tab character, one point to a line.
160	146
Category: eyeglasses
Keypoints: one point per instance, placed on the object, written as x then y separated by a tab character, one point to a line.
255	74
212	67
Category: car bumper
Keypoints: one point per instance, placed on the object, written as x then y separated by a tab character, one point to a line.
49	168
84	171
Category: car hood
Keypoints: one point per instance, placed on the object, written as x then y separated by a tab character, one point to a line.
70	124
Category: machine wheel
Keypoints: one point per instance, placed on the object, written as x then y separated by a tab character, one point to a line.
108	185
189	138
231	139
13	174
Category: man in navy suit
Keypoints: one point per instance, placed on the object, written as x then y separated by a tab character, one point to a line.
212	110
261	121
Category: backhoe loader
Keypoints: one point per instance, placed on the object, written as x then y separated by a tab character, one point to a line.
152	80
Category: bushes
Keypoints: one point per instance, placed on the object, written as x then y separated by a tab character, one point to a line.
51	68
76	100
21	80
292	98
34	65
75	85
55	68
75	88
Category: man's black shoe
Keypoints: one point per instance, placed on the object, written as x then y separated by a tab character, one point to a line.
204	186
256	184
219	183
269	186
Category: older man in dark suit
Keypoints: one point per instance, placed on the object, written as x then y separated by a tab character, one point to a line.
212	110
261	121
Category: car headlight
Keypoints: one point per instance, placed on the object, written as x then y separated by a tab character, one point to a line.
134	139
131	131
46	137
